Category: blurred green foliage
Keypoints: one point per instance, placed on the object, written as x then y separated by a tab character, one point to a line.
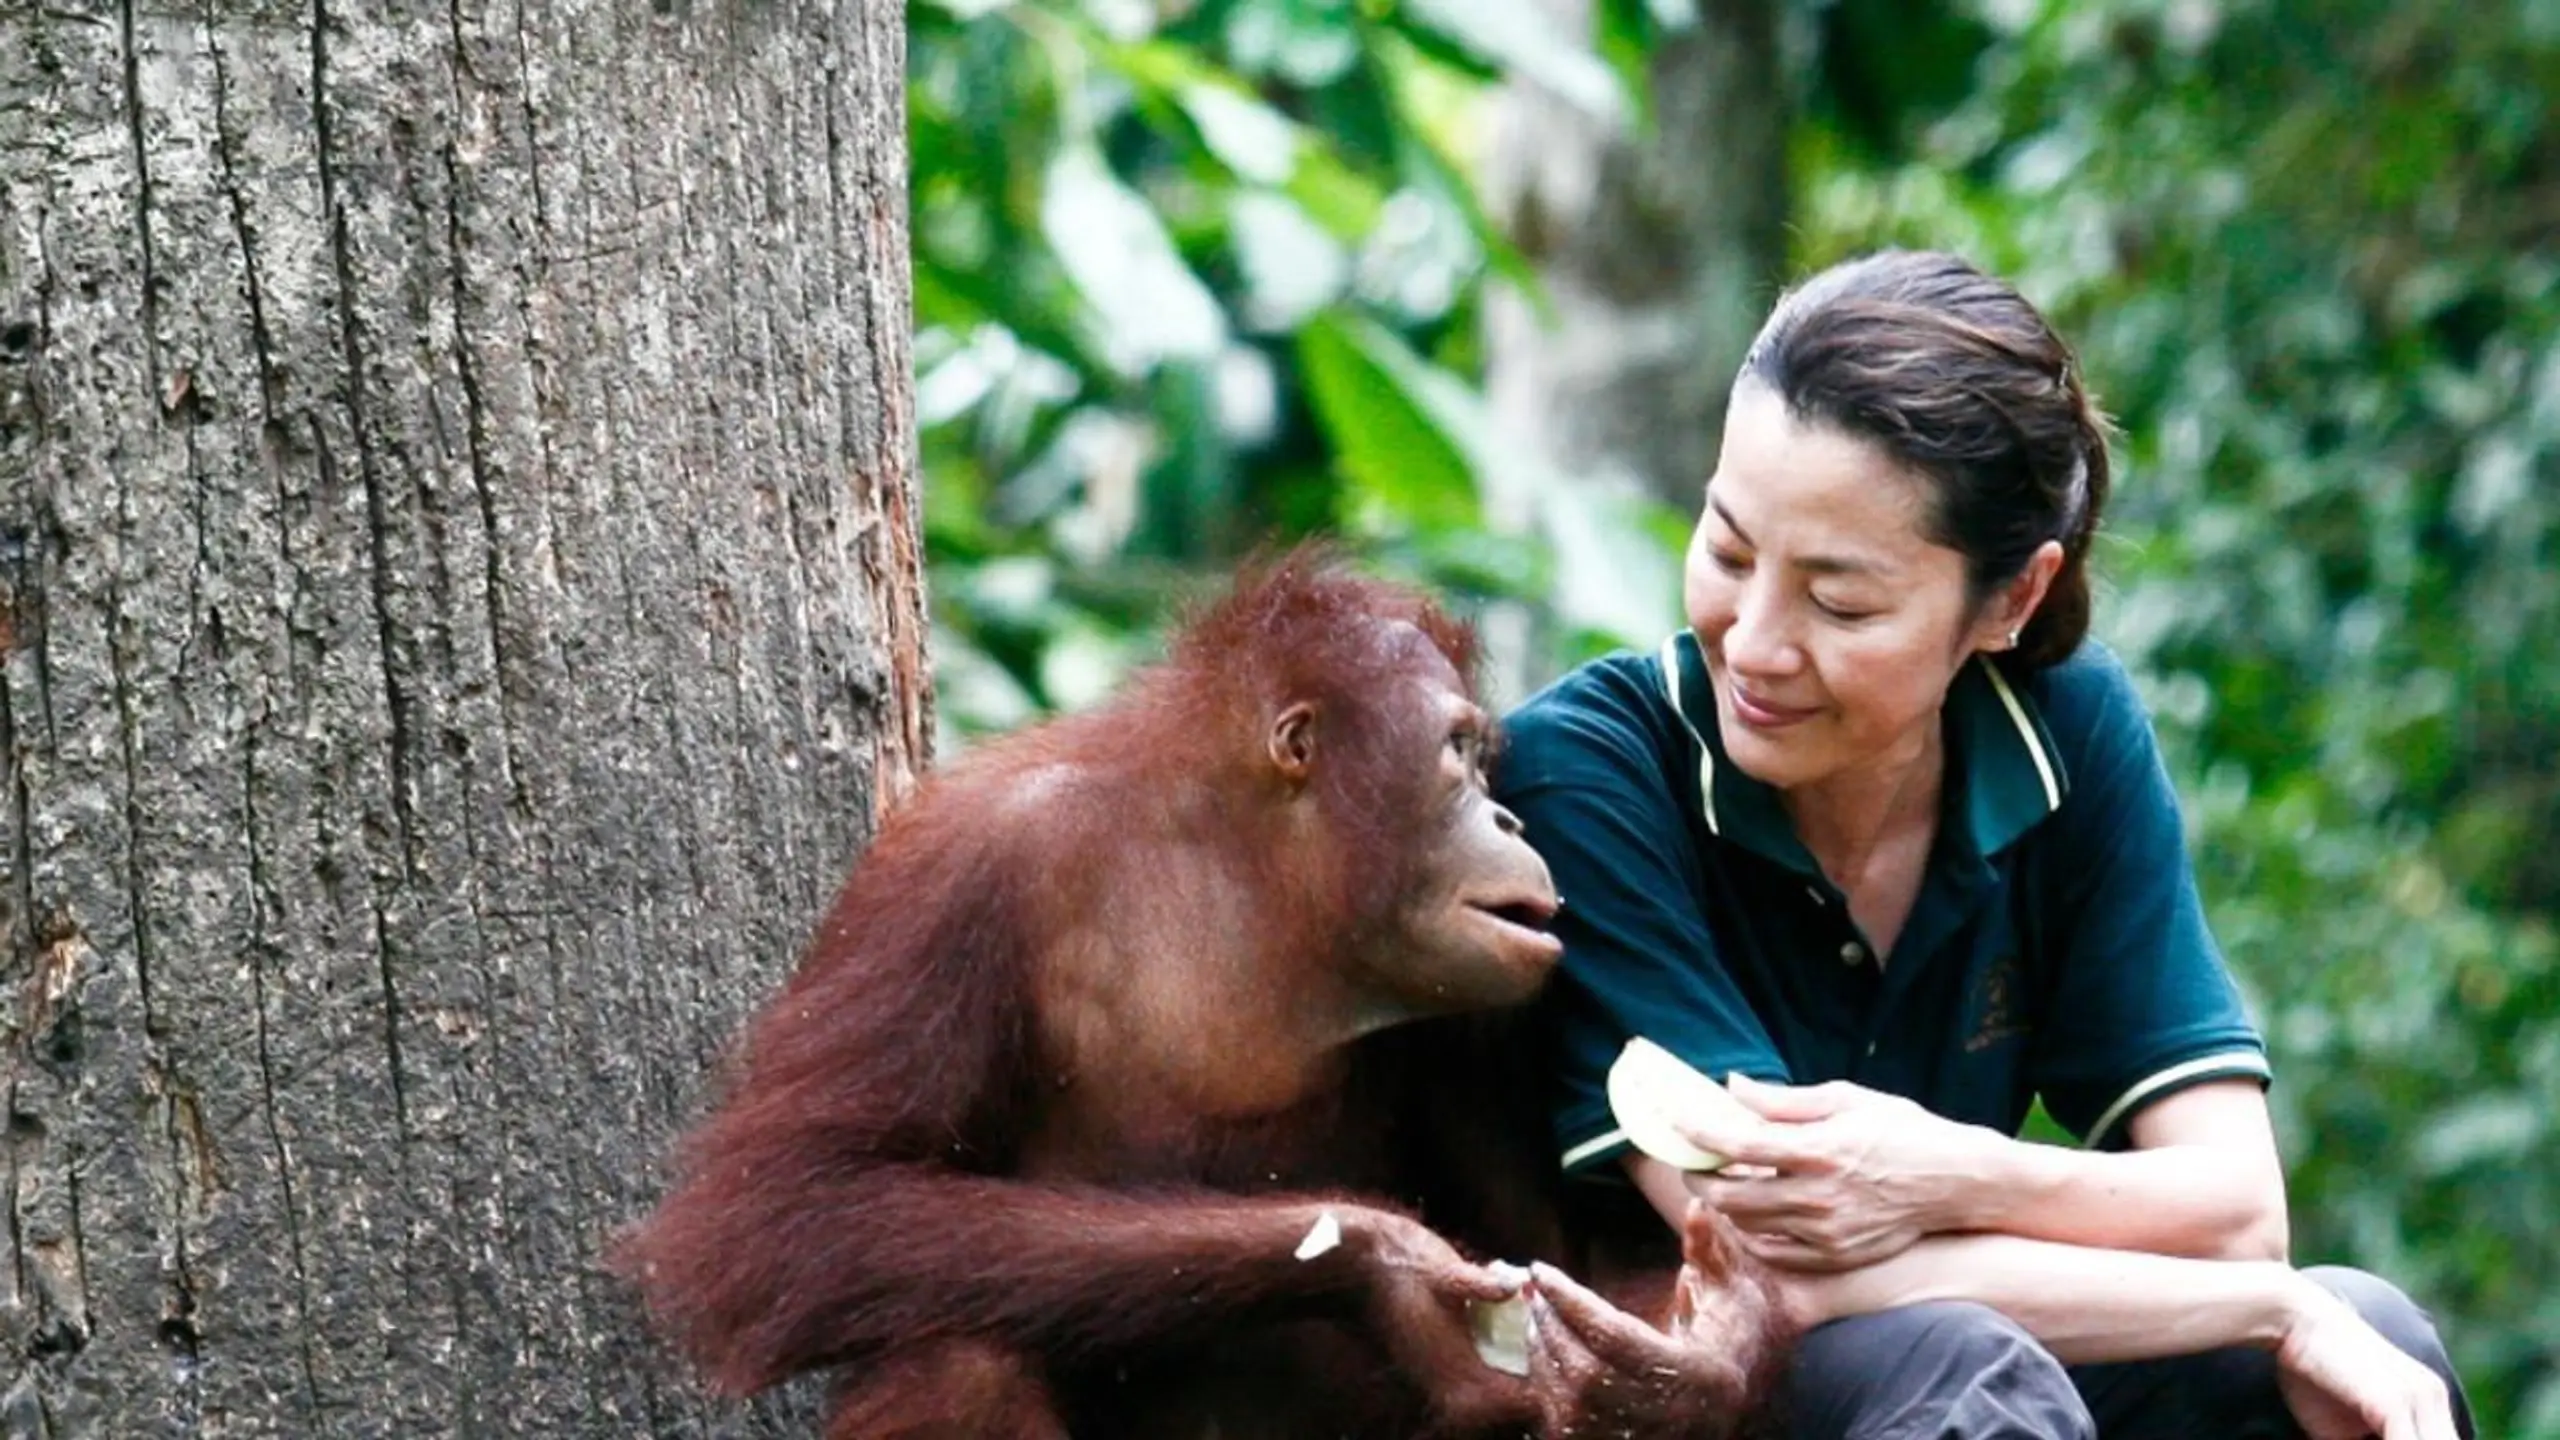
2308	252
1193	275
1190	281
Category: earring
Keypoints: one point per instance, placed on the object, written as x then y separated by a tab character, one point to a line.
2013	639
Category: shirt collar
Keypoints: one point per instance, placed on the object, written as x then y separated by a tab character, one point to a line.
2003	774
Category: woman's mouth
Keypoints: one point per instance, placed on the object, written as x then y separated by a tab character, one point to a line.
1762	714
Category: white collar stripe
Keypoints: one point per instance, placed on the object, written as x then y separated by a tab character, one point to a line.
1706	752
2027	733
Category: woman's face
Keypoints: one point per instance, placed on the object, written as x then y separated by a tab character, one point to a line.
1832	625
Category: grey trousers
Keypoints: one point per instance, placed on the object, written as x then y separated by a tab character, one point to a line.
1950	1371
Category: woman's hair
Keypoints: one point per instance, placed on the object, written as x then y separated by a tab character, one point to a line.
1953	374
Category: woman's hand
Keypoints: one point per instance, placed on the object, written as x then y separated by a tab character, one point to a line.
2343	1381
1841	1176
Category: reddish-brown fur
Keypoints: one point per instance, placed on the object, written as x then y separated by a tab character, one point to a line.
988	1230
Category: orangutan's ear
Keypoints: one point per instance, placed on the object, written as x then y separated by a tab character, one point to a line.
1293	743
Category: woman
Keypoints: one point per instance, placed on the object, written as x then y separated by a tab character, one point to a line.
1885	837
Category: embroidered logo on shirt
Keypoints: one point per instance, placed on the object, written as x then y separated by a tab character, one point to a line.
1997	1000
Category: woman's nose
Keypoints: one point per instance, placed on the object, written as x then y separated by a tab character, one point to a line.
1753	641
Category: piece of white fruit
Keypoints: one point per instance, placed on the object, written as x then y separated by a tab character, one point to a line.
1649	1087
1322	1236
1503	1327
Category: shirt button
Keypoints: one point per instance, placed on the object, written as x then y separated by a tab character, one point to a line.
1853	953
1871	1049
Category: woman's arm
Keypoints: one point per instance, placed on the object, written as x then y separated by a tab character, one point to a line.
2337	1374
2083	1303
1853	1175
2203	1179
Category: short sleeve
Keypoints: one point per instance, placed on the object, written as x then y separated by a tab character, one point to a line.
1584	767
2141	1004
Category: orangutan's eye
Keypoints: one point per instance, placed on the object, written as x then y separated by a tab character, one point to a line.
1469	746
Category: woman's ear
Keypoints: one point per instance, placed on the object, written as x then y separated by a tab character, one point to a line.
2014	604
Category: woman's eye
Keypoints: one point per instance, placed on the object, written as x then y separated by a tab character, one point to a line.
1730	562
1839	611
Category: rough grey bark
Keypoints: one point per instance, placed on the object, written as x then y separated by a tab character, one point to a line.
459	612
1660	250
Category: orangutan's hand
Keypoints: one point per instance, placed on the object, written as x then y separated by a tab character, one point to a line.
1603	1374
1419	1290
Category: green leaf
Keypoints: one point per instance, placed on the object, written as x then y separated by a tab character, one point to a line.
1612	577
961	298
1189	509
1520	39
1254	141
1083	664
1623	35
1290	267
1250	139
1147	304
1342	200
1425	156
973	693
1398	423
1305	42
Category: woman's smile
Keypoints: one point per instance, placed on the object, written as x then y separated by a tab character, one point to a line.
1764	714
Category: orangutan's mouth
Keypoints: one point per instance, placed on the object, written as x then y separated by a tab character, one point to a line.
1527	914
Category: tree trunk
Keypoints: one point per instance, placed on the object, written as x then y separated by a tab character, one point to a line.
1660	250
460	609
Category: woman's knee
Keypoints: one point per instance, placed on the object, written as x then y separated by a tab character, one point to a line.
2385	1307
2398	1319
1944	1368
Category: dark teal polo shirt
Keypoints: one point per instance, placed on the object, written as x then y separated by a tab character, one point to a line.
2056	947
